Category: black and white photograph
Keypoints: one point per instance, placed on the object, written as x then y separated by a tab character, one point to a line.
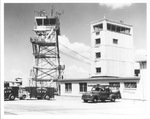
74	59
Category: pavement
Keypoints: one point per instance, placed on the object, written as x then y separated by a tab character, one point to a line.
65	105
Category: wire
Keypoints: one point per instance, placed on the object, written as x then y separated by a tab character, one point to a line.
75	53
74	57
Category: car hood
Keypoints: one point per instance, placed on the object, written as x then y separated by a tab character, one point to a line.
91	92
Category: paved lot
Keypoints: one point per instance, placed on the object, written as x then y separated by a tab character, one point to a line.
62	105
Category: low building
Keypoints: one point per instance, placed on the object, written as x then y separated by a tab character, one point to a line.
76	87
143	83
130	87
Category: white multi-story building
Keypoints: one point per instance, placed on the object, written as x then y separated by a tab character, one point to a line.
112	49
112	63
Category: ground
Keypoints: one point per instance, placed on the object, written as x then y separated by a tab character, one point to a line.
65	105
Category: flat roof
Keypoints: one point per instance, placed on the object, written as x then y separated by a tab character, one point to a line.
120	23
100	79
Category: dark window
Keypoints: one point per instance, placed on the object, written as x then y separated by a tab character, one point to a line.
143	65
53	21
118	29
83	87
109	26
46	22
122	30
39	22
115	41
136	72
6	84
130	85
98	70
114	84
98	28
68	87
98	55
127	30
113	28
97	33
97	41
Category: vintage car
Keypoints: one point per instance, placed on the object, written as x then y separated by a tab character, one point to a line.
102	93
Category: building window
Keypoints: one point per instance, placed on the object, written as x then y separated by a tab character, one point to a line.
97	33
136	72
130	85
115	41
68	87
143	65
83	87
114	84
97	41
98	28
118	29
98	55
98	70
39	22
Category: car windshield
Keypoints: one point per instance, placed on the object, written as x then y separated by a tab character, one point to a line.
96	89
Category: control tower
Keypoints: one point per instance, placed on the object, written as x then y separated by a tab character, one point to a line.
112	49
47	68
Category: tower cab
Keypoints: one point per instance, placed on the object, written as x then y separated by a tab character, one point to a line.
43	22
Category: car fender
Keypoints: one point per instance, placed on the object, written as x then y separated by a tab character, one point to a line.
112	96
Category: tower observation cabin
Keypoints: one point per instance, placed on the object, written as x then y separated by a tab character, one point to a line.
47	68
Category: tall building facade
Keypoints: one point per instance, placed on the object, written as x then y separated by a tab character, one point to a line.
112	49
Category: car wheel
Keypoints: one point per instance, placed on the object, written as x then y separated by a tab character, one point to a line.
23	97
113	99
95	99
47	97
85	100
11	97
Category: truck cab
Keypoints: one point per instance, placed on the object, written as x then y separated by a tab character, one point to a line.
10	93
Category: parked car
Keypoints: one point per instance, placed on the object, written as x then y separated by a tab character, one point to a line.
102	93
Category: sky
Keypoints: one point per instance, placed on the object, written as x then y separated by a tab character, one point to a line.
75	33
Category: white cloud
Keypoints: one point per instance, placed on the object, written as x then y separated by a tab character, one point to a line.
140	55
75	71
116	5
80	48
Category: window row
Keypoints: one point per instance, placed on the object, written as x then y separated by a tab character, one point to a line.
83	86
126	84
46	22
98	41
118	29
111	27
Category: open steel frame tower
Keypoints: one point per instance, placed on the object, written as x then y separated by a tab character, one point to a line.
45	46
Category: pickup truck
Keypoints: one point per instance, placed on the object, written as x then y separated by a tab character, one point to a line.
101	93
